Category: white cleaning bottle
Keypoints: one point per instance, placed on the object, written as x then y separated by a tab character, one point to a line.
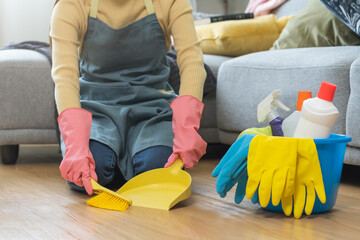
318	114
289	124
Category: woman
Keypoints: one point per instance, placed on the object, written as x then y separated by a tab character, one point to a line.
110	73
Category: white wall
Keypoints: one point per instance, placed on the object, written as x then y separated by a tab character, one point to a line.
24	20
216	6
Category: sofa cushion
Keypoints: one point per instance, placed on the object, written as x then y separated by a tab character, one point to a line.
239	37
208	125
315	26
245	81
214	62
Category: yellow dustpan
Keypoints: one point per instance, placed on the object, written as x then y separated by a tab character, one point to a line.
160	188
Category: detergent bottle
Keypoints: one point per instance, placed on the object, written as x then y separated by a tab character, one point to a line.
289	124
266	109
318	114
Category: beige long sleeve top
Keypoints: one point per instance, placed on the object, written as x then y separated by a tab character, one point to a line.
69	24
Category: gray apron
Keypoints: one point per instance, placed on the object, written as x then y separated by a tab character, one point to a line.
124	84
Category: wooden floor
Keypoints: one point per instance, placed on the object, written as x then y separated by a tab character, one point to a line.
35	203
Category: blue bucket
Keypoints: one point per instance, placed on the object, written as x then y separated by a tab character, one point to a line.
331	152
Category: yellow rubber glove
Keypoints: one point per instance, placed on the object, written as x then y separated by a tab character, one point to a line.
308	180
271	168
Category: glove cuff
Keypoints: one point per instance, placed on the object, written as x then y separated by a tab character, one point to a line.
187	110
75	125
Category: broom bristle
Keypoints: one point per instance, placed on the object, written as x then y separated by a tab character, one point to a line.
108	201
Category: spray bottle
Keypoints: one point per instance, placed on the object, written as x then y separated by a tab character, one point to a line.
267	109
289	124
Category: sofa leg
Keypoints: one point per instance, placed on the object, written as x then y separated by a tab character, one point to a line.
9	154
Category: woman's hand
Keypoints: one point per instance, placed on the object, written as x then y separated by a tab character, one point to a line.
78	164
188	145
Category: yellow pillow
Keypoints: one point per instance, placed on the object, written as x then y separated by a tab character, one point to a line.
239	37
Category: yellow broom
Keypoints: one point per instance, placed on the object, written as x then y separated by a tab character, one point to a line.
107	199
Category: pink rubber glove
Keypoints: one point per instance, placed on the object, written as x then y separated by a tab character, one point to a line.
188	145
78	163
266	7
253	4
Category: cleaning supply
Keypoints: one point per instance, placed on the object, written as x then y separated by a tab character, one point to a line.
289	124
257	131
160	188
318	114
286	168
107	199
188	144
331	152
271	168
267	109
308	181
232	168
78	164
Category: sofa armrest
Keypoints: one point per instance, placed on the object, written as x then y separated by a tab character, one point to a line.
26	91
353	108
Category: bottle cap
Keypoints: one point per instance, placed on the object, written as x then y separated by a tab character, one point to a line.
302	96
326	91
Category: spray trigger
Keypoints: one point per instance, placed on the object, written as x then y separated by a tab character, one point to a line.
269	105
281	105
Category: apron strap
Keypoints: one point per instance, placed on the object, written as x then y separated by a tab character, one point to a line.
149	6
94	8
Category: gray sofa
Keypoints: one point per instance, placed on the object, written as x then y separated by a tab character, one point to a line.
27	92
244	81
